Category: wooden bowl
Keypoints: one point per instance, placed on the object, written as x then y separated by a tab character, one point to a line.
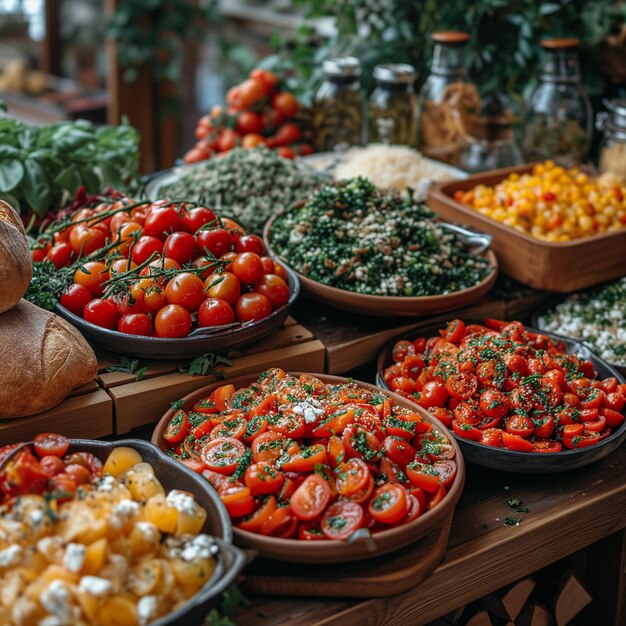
185	347
173	475
362	545
389	306
560	266
503	459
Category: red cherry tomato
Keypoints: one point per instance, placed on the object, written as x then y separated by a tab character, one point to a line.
215	312
172	321
310	498
285	104
250	243
135	324
75	298
341	519
51	444
197	217
145	248
186	290
161	221
181	247
248	268
217	241
388	504
102	313
252	307
274	288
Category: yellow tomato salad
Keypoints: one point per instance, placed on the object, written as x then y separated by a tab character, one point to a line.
551	203
117	551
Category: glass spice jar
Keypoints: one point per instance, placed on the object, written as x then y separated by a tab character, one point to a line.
339	106
613	145
446	99
559	123
492	143
393	105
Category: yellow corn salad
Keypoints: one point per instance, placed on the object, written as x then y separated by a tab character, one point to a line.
552	203
122	552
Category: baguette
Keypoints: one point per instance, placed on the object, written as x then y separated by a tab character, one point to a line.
16	266
45	358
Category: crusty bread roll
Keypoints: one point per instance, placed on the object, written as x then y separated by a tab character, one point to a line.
44	359
16	267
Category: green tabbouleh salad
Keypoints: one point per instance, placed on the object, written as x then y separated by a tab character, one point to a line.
353	236
596	317
248	185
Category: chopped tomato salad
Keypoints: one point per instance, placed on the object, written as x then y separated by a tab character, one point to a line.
296	458
502	385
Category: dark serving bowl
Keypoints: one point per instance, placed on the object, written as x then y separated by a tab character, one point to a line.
185	347
362	544
174	475
524	462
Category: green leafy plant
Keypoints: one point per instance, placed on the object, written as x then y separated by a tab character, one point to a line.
206	365
41	168
152	33
129	366
504	52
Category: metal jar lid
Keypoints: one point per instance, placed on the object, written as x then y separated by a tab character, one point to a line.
395	73
615	116
617	112
342	67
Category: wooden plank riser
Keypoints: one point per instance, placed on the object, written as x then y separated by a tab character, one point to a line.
86	416
140	403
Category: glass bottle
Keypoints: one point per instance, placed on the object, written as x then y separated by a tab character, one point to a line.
613	145
393	105
559	123
446	99
492	143
339	106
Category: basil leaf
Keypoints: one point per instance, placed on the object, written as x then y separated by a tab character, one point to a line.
70	138
11	174
9	152
68	179
36	187
90	179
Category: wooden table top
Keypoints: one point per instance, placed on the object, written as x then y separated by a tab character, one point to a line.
566	513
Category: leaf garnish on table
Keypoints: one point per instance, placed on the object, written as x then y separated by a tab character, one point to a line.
230	601
129	366
206	365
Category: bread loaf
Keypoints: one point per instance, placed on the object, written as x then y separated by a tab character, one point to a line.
16	268
44	359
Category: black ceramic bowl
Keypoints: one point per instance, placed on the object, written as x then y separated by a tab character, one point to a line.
503	459
185	347
174	475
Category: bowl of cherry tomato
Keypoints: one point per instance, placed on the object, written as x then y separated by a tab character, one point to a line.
315	468
517	399
166	279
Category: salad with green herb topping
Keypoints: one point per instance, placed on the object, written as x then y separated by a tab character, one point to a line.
248	185
354	236
596	317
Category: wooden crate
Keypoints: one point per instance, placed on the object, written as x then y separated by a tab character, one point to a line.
561	266
87	413
138	403
352	341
